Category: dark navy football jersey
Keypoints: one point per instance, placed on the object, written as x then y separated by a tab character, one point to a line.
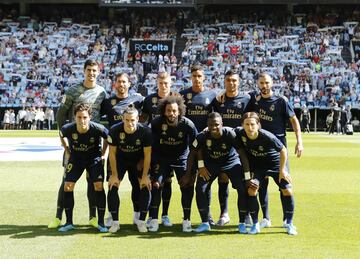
274	112
263	152
219	152
130	147
198	106
171	144
150	106
231	109
113	107
84	146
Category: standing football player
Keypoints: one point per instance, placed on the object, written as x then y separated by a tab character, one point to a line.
86	92
84	149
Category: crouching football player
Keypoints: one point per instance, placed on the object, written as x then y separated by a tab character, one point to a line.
267	157
83	145
130	150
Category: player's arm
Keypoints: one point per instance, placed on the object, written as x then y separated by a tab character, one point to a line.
114	179
297	130
65	144
283	174
104	148
62	112
203	172
145	181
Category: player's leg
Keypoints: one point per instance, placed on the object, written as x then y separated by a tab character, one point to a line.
114	201
223	195
96	176
144	203
187	194
72	174
288	203
157	176
264	202
56	222
91	195
165	197
202	200
135	193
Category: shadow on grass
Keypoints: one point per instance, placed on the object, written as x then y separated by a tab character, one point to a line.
33	231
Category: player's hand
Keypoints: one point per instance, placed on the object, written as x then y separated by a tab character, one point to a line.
285	175
187	180
145	183
298	149
252	184
140	165
113	181
204	173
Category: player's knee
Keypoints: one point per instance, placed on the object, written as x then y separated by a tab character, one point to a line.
156	185
98	186
223	178
252	191
287	192
69	186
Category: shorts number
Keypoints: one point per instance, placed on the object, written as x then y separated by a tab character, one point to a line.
69	167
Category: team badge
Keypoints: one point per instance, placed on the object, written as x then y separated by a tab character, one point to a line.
138	142
91	140
208	142
223	146
74	136
180	135
207	101
243	139
164	128
122	137
272	108
189	96
261	148
113	102
154	101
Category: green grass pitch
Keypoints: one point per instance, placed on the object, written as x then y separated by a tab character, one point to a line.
327	215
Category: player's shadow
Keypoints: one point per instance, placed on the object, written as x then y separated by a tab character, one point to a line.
33	231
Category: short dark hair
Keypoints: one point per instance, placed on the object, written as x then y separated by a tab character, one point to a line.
122	74
83	107
91	62
196	68
252	115
170	100
231	72
214	115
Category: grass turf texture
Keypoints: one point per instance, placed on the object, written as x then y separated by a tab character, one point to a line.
326	184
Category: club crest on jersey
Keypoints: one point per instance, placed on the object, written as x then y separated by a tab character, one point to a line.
189	97
154	101
164	128
74	136
122	137
272	108
138	142
113	102
180	135
243	139
208	143
223	146
261	148
91	140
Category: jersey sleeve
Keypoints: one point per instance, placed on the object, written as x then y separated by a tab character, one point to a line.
112	136
65	105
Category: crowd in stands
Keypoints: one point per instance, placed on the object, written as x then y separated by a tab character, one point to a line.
304	52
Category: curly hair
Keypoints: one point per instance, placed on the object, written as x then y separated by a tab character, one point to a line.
170	100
